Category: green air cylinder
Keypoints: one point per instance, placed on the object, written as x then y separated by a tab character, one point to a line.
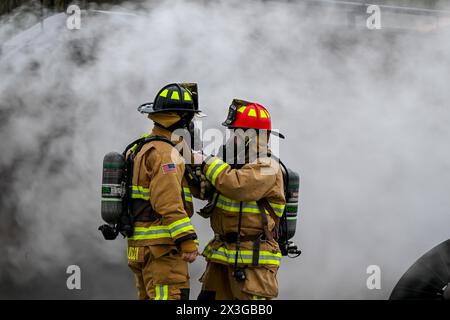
113	187
292	202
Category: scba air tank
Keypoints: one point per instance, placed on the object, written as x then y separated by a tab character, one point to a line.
291	202
113	187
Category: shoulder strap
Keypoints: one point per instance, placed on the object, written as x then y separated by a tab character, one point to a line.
142	141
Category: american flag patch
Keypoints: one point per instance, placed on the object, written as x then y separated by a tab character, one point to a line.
169	167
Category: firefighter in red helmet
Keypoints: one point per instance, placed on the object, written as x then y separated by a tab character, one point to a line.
244	256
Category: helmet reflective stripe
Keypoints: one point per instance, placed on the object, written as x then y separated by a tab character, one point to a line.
258	298
162	292
187	96
252	113
175	95
164	93
263	114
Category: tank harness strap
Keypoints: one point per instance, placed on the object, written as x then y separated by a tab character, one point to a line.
264	204
265	222
268	235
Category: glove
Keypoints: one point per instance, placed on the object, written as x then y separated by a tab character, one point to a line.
189	250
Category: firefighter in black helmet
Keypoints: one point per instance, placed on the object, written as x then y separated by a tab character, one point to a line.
163	238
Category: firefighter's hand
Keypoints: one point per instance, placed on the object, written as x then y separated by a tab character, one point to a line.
189	256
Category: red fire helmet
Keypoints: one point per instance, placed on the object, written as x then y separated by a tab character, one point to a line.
248	115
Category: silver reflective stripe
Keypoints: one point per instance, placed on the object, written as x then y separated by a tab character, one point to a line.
180	226
142	233
211	174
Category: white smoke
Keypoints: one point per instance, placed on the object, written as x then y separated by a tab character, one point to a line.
365	114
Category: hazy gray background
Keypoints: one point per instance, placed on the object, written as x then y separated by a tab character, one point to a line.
366	115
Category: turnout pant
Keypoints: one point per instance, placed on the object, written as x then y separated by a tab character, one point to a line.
219	283
160	272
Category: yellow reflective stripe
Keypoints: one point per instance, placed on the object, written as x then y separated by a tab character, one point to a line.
150	236
180	226
278	208
187	97
140	196
178	222
214	169
242	109
164	93
212	166
244	256
162	292
138	192
157	293
181	230
219	170
187	194
175	95
231	205
149	233
166	292
140	189
158	232
258	298
262	114
235	208
252	113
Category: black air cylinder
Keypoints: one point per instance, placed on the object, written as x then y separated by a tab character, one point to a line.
113	187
